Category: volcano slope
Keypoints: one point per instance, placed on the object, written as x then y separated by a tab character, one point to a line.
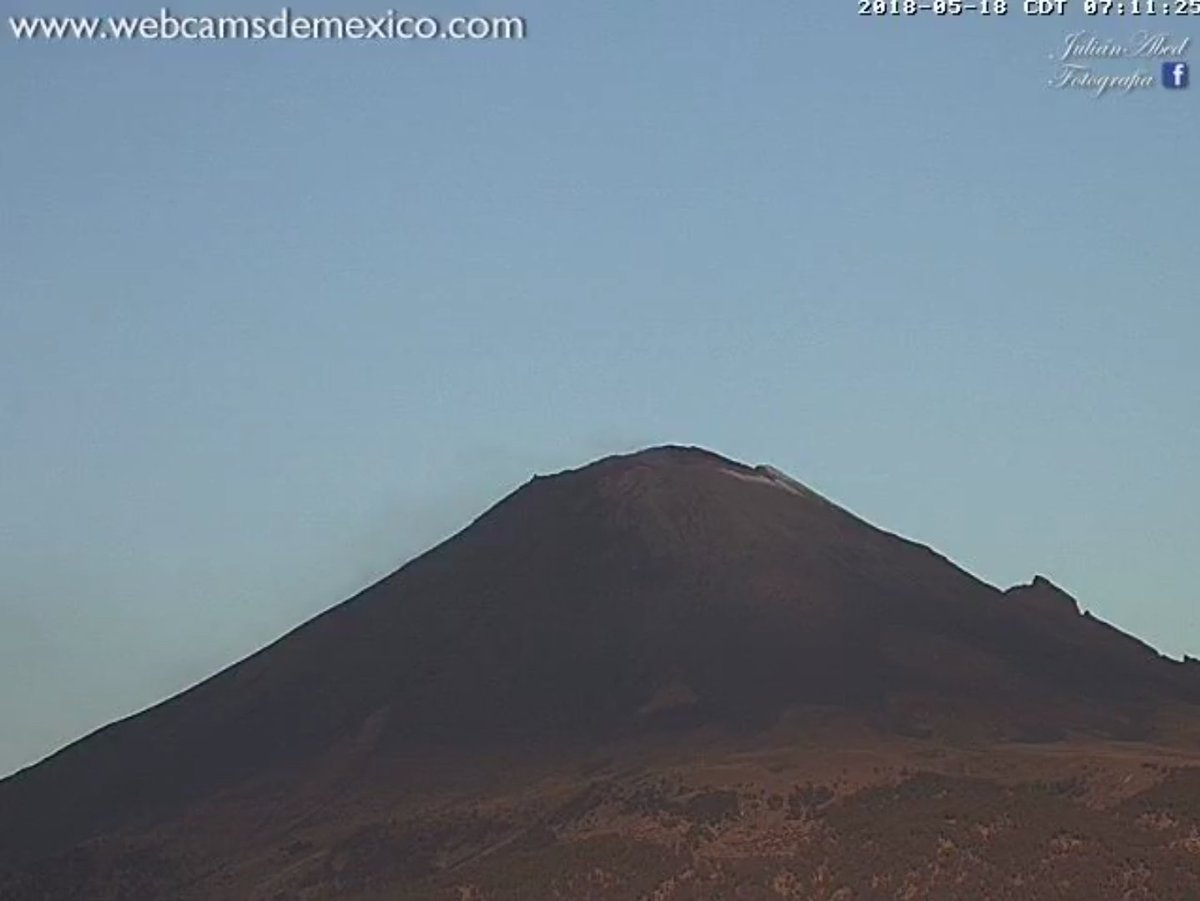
661	676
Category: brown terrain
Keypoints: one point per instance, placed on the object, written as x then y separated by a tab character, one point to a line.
664	676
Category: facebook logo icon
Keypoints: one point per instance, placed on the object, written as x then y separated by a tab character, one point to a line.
1175	75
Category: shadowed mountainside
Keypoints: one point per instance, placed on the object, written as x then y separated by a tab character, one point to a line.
669	600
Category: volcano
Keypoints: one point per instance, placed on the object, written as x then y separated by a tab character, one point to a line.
662	675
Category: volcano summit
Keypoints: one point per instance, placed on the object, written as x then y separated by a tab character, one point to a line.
663	675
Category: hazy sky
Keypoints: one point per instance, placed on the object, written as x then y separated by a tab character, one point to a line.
276	316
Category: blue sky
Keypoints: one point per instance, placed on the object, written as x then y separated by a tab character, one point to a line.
274	317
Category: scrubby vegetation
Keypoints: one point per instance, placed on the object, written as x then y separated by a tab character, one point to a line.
1042	833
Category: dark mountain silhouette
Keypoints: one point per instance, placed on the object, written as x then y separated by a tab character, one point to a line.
670	599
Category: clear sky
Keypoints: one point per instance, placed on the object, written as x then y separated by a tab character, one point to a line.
276	316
